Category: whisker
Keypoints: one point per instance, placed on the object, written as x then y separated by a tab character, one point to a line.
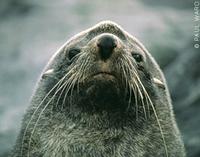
70	86
25	131
74	80
127	85
136	100
40	116
139	81
135	87
82	70
147	97
158	122
57	102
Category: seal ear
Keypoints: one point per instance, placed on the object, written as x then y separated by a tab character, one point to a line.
48	73
158	82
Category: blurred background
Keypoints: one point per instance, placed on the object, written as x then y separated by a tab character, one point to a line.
31	31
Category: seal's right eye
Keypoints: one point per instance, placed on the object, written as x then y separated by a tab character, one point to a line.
72	53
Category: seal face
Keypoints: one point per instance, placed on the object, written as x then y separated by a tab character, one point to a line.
102	95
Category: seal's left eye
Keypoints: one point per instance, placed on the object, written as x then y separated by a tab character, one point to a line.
72	53
137	57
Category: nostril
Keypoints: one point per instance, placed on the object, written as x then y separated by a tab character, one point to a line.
106	46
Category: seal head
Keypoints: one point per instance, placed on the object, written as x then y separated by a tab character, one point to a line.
101	94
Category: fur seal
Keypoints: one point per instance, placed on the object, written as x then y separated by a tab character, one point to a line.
101	95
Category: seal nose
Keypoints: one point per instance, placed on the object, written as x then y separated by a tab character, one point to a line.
106	45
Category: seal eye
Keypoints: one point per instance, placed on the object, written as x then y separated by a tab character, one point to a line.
72	53
137	57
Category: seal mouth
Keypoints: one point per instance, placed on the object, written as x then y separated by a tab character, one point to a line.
104	75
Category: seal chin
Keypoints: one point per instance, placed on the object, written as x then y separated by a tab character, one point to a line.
102	84
102	91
